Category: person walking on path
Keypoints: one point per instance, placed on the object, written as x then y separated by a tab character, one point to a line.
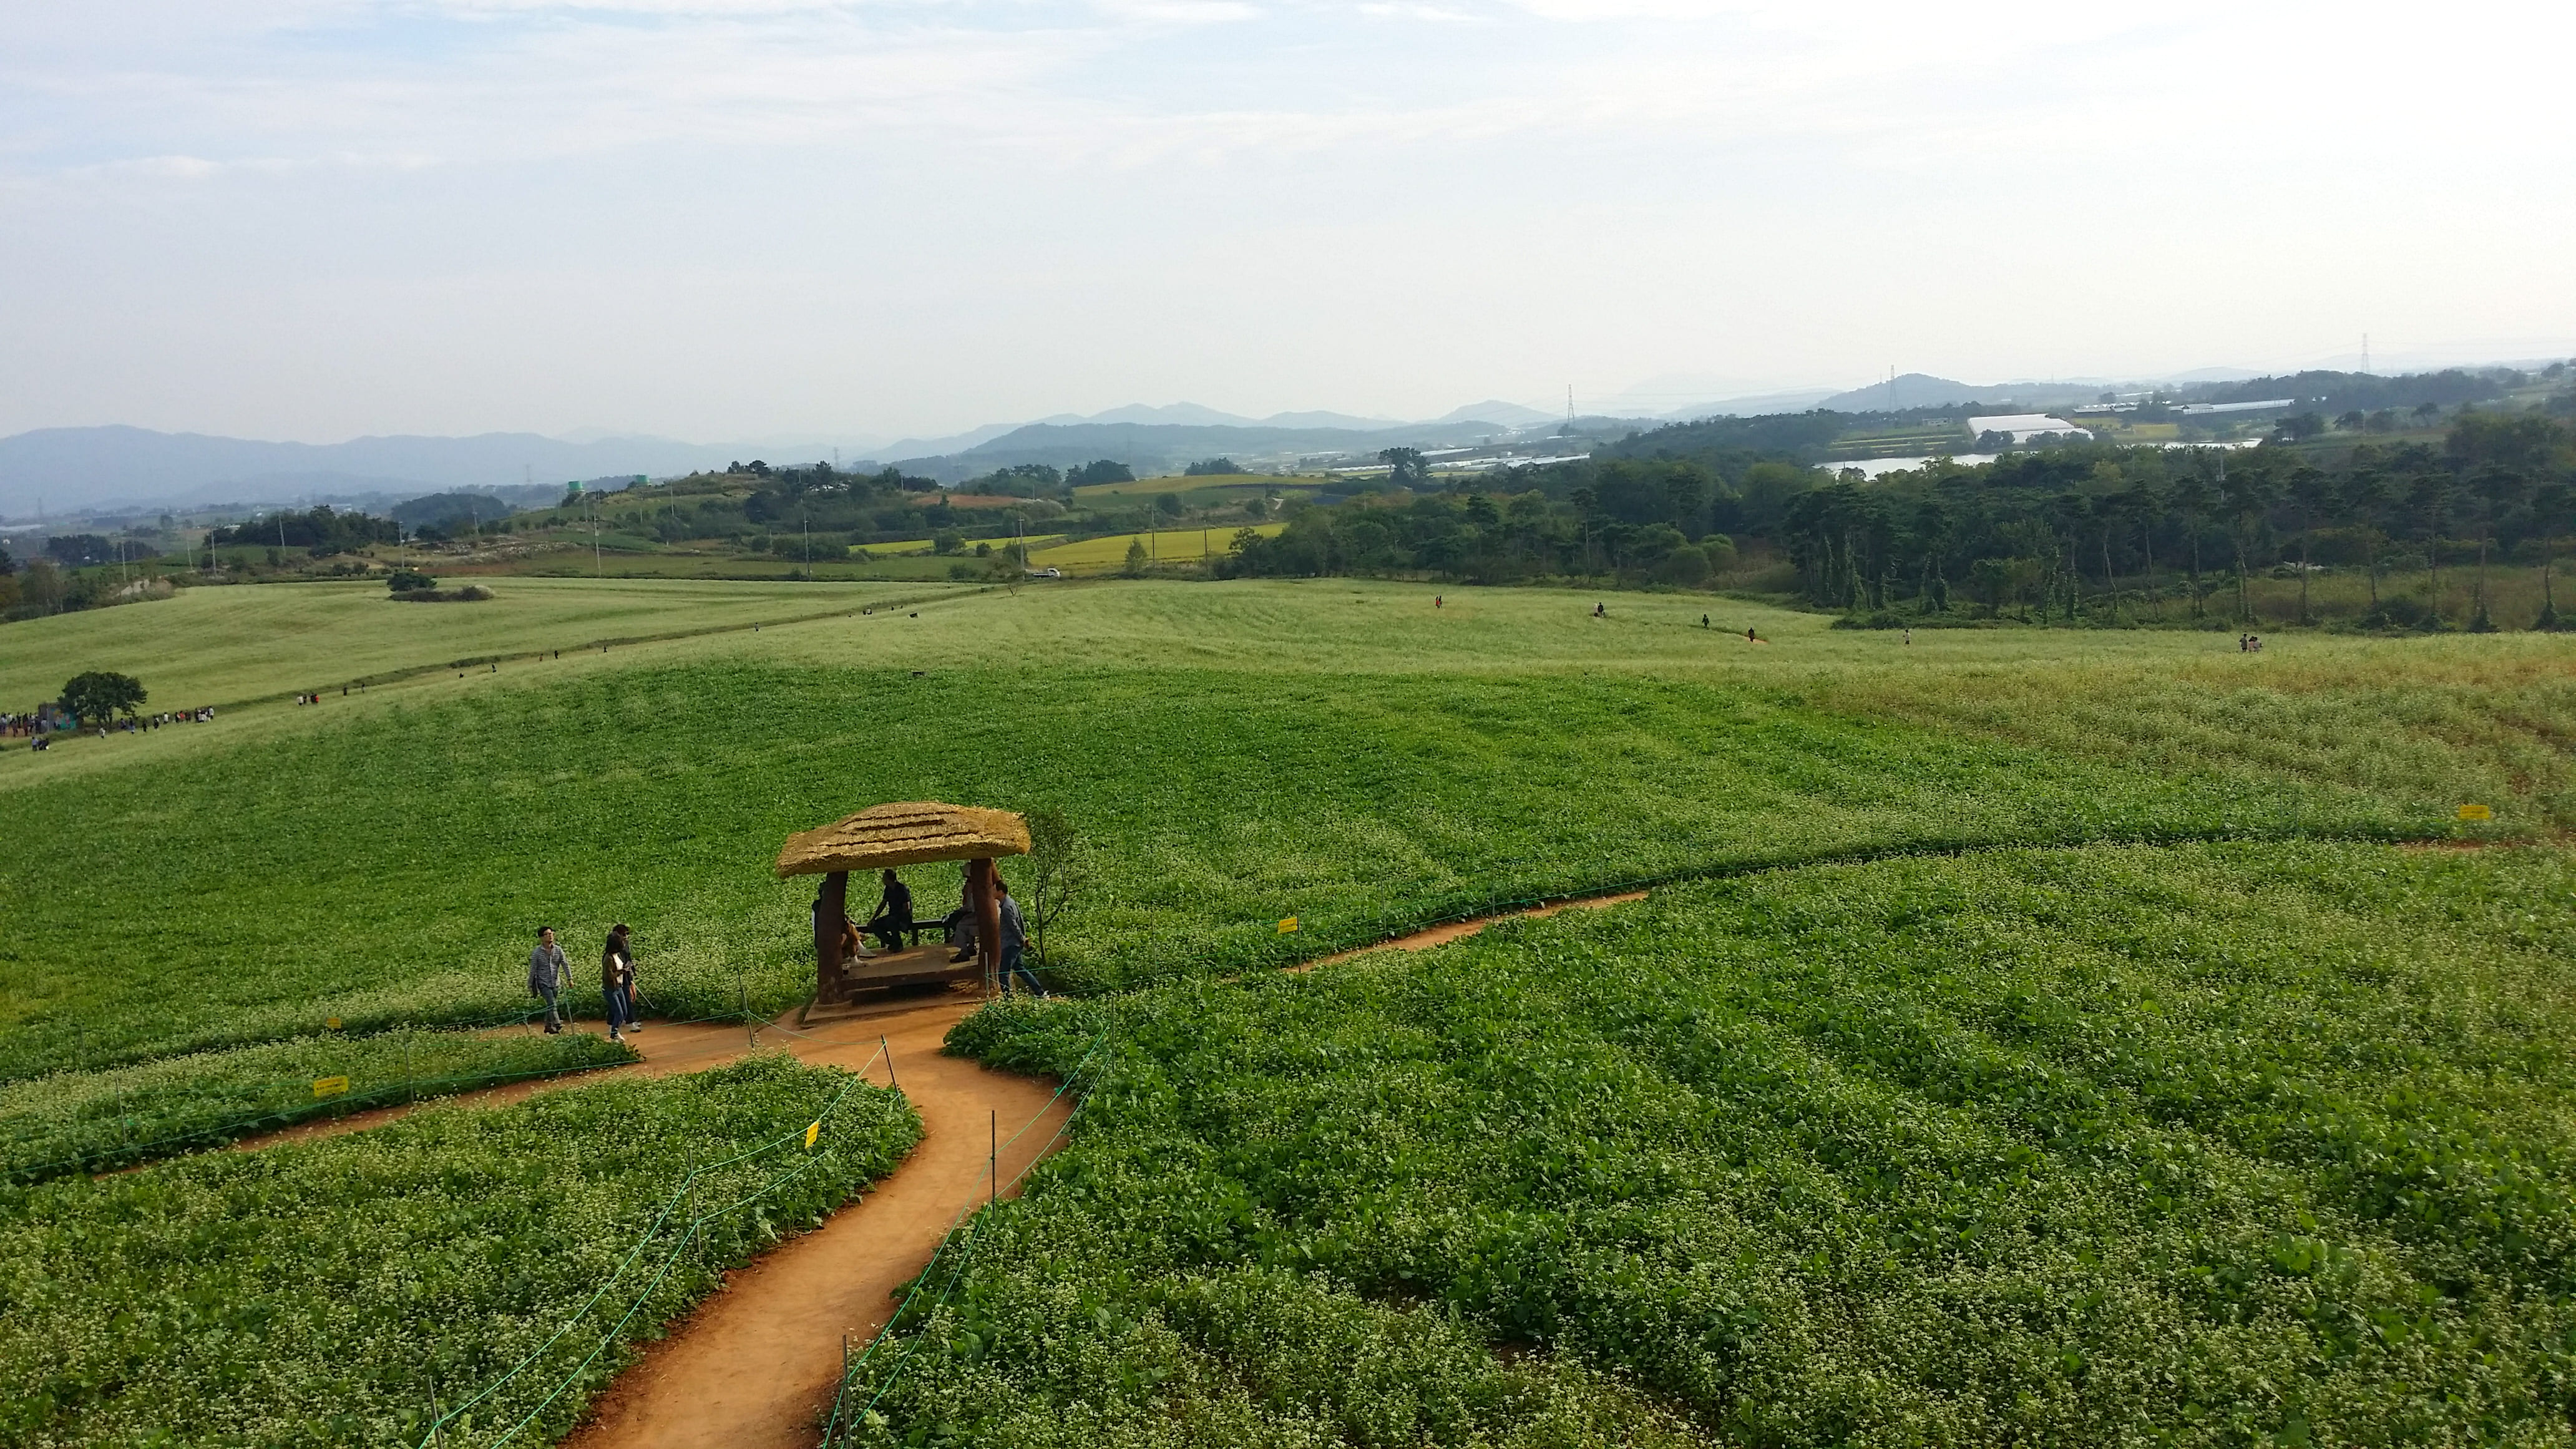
616	981
621	943
547	972
1015	938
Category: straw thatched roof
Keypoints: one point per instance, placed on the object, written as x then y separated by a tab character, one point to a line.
904	834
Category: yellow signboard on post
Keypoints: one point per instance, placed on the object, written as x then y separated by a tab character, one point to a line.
2476	812
331	1023
812	1130
1287	925
329	1086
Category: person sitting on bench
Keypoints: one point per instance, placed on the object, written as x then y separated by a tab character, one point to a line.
960	926
894	914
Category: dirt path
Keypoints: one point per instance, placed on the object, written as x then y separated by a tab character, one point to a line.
755	1364
1457	930
666	1049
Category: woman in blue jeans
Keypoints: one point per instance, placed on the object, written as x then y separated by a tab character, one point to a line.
617	982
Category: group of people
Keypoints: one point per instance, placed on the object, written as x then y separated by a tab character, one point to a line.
39	728
549	973
892	920
2249	643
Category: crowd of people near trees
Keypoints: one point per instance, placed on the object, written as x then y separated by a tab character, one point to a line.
97	701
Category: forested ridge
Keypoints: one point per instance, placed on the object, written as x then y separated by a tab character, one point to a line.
2086	531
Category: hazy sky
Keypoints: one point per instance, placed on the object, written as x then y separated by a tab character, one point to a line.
721	219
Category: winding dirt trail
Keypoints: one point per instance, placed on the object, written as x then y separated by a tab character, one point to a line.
756	1363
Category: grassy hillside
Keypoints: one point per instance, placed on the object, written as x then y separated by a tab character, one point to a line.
1234	755
1953	1088
220	646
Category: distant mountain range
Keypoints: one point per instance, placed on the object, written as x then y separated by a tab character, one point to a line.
56	472
64	471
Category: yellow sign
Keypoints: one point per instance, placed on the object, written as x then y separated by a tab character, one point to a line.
2476	812
330	1086
1287	925
331	1023
812	1131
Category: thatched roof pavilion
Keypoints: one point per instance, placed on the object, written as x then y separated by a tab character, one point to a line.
907	833
882	837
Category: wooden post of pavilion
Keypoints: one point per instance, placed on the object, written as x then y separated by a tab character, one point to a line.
831	908
988	924
887	836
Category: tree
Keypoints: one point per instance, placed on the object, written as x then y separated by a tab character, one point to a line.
404	580
1931	536
2365	501
2311	491
2192	499
2552	508
2142	504
1136	559
1059	869
2499	489
2247	496
101	695
1212	468
1405	467
2429	499
1103	470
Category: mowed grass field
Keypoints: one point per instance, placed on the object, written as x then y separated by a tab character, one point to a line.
231	645
1170	546
1991	884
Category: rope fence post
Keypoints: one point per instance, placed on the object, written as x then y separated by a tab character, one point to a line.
891	1083
993	1161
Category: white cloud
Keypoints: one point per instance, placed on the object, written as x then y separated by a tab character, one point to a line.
1760	188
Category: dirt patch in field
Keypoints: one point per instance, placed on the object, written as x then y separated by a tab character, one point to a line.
1442	935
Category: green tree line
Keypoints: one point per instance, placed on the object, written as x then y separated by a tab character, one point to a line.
2066	533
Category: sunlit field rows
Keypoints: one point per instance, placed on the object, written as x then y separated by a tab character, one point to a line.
2195	1145
1947	937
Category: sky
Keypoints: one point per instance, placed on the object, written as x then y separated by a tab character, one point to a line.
723	219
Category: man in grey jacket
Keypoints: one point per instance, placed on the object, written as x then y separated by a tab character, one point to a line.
1015	939
547	971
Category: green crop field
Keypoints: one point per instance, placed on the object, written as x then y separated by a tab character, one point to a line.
1168	546
219	646
1929	920
314	1294
2196	1144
